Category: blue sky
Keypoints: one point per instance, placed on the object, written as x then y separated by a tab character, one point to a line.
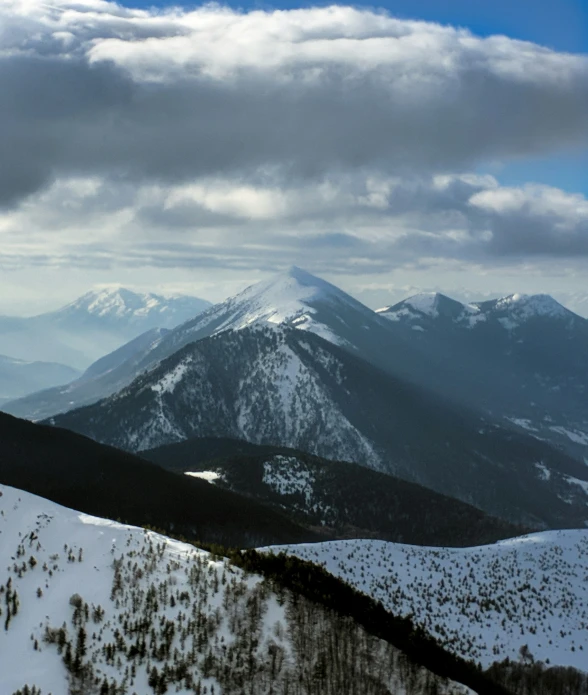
561	24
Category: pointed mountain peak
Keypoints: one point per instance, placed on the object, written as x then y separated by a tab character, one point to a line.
300	275
293	297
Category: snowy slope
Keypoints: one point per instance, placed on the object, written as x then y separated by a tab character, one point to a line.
87	601
482	603
292	298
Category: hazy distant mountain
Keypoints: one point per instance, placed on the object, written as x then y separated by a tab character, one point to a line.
102	378
93	325
521	358
277	385
18	377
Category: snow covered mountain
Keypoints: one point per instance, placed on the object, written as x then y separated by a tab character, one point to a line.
282	386
18	377
483	603
293	298
510	312
93	325
297	299
89	605
521	358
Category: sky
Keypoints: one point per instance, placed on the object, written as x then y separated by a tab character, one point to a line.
389	148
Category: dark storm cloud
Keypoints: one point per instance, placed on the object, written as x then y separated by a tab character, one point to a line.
101	103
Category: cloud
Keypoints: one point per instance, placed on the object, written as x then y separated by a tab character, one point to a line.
274	98
350	223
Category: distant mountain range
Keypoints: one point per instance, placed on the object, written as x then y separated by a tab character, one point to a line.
519	359
92	326
294	298
458	398
18	377
522	359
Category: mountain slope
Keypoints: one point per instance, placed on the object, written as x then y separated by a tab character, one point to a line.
521	358
93	325
482	603
350	500
18	377
291	388
94	606
78	472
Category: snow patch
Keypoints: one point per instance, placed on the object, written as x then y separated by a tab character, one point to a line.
544	472
575	436
209	476
169	382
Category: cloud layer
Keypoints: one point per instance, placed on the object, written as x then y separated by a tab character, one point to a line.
325	136
92	88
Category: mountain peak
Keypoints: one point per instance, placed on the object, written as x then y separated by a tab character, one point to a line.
524	306
431	304
288	294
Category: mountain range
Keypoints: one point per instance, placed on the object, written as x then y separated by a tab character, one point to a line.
294	298
481	402
522	359
283	386
92	326
18	377
519	359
